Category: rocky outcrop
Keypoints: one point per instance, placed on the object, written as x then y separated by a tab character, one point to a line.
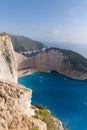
7	61
65	62
16	112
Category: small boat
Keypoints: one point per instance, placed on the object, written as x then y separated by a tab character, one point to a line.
85	103
65	78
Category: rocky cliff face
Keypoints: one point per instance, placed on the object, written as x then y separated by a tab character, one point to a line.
7	60
65	62
16	111
15	108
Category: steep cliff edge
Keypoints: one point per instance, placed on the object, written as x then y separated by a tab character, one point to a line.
65	62
16	111
8	68
15	108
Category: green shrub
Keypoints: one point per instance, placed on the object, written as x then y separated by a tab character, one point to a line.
45	116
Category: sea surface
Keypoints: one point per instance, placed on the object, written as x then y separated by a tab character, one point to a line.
65	97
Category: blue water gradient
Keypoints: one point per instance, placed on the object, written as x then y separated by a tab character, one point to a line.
65	97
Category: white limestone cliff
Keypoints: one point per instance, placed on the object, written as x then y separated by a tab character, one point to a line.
54	59
8	69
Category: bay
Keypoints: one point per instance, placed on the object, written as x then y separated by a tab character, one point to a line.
65	97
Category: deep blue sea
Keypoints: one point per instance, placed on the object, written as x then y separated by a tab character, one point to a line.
65	97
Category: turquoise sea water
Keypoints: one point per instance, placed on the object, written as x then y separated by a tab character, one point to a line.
65	97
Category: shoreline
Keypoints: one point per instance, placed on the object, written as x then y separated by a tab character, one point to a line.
24	72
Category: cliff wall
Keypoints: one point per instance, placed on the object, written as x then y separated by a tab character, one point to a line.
65	62
8	69
16	112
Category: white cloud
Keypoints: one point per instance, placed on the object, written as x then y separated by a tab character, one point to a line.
56	31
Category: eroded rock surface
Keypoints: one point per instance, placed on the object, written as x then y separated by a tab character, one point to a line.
16	112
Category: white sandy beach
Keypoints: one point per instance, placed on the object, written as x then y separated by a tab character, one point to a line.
24	72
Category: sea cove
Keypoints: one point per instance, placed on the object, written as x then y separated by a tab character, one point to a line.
65	97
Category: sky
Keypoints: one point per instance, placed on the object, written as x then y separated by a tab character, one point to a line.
45	20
